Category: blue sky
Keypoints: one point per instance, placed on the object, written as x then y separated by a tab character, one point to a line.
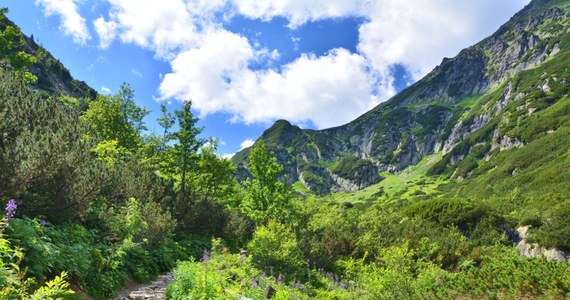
245	64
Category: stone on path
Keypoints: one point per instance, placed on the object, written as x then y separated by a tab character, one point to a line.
155	290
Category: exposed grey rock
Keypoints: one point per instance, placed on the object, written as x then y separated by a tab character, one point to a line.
535	250
505	142
425	118
460	131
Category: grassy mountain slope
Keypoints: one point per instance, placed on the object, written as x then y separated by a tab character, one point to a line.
459	103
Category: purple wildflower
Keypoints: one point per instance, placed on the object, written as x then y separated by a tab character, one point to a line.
206	256
10	212
43	223
11	208
280	277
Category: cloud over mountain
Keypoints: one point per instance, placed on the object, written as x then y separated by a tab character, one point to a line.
212	65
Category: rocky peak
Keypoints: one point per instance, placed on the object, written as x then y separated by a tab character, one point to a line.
428	116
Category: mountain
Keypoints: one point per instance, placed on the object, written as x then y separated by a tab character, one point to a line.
53	76
507	91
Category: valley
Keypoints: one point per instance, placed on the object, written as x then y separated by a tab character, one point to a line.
455	188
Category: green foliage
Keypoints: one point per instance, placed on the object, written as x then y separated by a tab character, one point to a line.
225	276
43	155
214	176
505	274
350	167
331	233
447	212
275	245
266	198
238	228
116	121
11	42
194	282
14	280
57	288
40	251
188	143
555	230
121	205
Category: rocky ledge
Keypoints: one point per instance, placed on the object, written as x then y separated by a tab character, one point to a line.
535	250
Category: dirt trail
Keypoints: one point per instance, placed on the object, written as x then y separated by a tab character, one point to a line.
154	290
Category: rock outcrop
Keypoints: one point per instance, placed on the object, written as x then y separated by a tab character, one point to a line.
428	116
535	250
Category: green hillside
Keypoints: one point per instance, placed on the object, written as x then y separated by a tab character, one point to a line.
425	196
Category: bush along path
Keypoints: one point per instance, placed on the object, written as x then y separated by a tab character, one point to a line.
155	290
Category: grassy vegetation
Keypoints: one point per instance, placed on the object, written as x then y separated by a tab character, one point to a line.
410	182
97	214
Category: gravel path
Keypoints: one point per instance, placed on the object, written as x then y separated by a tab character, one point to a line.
154	290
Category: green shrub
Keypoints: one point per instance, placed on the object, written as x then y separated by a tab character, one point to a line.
275	245
41	253
555	231
350	167
447	212
196	281
503	273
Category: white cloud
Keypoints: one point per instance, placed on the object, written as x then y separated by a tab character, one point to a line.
228	155
418	36
202	74
211	66
105	90
246	143
107	31
72	23
327	90
166	26
298	12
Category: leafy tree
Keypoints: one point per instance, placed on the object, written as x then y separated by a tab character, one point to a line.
214	179
11	43
187	146
267	197
275	245
117	118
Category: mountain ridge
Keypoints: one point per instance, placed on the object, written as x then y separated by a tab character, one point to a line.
425	118
52	76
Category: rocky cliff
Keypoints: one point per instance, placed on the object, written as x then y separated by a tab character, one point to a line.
439	113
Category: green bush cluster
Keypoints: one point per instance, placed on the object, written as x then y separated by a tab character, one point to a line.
102	202
351	167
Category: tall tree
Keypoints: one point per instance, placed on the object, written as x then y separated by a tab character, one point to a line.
214	180
187	144
267	198
117	119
